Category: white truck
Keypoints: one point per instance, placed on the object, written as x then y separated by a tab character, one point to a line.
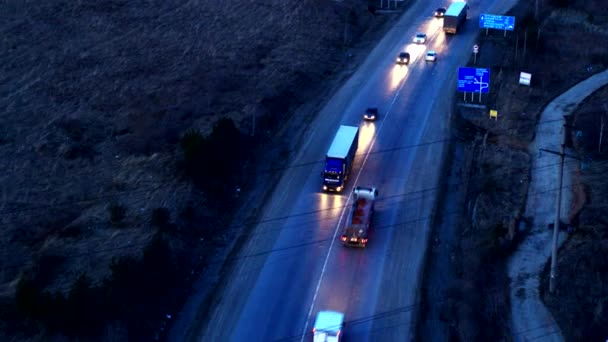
328	326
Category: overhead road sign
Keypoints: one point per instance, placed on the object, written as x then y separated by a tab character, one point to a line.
497	22
476	80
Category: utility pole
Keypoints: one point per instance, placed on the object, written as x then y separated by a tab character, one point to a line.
253	123
558	200
599	147
525	44
346	18
516	46
557	217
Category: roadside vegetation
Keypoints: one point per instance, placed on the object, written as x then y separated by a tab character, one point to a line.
126	134
559	48
580	305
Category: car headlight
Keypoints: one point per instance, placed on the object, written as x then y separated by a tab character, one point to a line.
339	189
324	187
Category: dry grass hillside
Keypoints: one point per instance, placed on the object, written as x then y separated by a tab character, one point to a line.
95	95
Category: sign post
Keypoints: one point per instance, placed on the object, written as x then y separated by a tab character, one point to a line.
475	80
475	51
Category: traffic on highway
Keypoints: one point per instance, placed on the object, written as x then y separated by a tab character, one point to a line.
378	146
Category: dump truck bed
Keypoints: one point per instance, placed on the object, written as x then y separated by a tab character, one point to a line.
356	230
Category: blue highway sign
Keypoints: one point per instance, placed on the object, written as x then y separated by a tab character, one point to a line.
475	80
498	22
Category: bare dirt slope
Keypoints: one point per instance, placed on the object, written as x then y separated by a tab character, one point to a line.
96	94
560	50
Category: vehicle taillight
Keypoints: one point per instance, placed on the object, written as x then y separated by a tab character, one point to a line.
364	240
343	237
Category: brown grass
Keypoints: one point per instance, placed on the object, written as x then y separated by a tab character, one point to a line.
95	95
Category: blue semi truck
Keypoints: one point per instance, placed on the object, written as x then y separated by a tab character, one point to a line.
339	158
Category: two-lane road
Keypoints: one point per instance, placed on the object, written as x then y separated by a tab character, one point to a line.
293	265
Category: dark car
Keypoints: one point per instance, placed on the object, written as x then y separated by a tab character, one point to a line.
440	12
403	58
371	114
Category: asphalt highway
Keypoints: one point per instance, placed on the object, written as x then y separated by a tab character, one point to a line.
294	266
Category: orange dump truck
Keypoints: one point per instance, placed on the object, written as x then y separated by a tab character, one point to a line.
360	219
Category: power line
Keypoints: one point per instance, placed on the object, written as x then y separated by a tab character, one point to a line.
409	308
274	219
258	172
106	196
302	245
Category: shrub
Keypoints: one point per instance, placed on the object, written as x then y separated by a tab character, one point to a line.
47	265
192	145
225	156
71	231
27	298
213	161
117	214
135	284
560	3
158	268
490	185
80	314
161	218
79	150
85	310
122	286
131	295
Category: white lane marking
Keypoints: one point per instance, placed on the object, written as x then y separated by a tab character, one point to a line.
333	240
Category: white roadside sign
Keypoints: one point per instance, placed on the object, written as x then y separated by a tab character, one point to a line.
525	78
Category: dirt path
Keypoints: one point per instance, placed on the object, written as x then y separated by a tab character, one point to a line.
530	318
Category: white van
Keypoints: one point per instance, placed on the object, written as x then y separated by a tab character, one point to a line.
328	326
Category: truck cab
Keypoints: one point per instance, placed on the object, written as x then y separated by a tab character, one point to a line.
339	158
328	326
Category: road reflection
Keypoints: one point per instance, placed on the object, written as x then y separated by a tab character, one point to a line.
366	135
397	76
329	207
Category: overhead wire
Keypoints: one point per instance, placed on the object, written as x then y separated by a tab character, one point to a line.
286	217
409	308
159	186
295	165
